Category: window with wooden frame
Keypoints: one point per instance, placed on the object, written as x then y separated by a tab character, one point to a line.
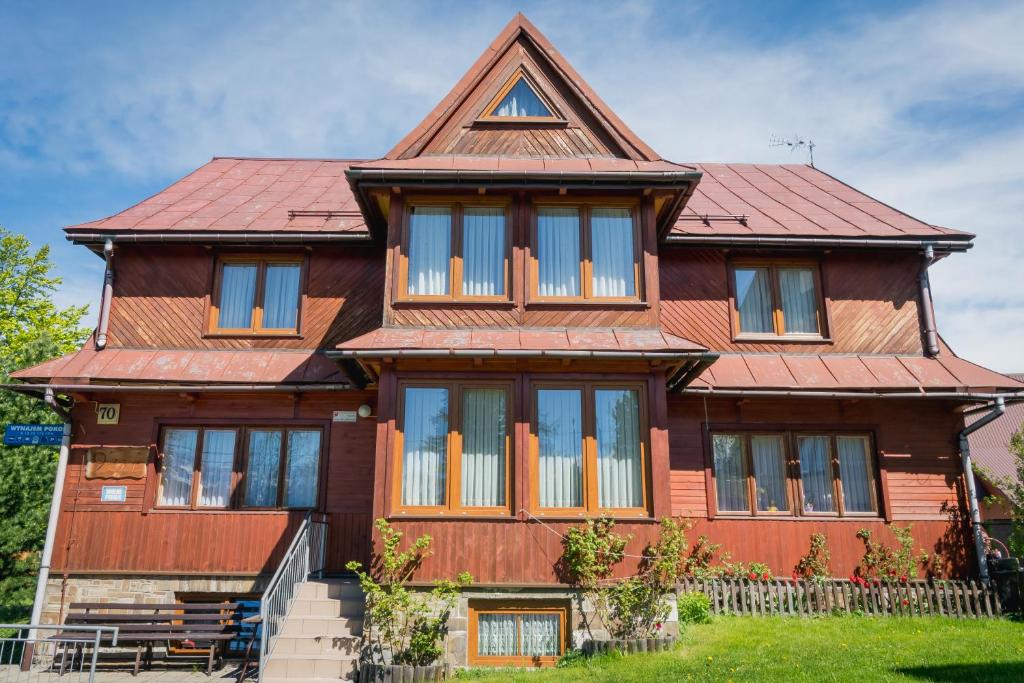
588	450
453	448
777	298
455	251
520	101
257	295
517	633
806	474
585	252
239	467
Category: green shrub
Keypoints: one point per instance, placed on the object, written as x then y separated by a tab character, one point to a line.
693	608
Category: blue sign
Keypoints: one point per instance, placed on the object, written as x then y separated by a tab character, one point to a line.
33	435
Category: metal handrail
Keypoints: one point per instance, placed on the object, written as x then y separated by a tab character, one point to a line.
305	557
61	650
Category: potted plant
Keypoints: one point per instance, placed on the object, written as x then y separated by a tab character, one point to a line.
406	629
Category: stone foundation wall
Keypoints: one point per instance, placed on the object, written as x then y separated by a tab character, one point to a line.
148	589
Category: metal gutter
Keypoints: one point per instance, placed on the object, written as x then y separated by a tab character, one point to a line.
997	408
931	336
246	237
175	388
797	393
753	241
513	353
55	505
107	295
523	178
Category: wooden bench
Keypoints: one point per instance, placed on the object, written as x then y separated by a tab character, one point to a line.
202	625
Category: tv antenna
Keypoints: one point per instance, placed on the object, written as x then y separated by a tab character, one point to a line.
794	143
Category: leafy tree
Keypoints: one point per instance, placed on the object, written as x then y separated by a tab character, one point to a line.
1013	487
32	330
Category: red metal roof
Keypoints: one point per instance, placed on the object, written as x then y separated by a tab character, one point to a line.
851	373
186	366
245	195
990	445
540	341
256	195
791	200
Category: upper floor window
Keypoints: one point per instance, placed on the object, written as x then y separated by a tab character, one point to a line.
455	251
453	448
223	467
777	298
257	295
519	100
588	454
827	474
585	252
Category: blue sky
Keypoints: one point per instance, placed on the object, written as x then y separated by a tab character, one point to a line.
919	104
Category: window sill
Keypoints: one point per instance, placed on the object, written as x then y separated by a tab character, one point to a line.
252	335
226	511
783	338
569	517
453	303
462	517
588	303
800	518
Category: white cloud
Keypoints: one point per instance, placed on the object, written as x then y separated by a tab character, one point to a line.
350	79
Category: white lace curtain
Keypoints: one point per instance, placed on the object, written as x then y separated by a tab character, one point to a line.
754	300
799	301
520	101
483	251
518	635
619	479
560	446
237	292
430	236
483	447
769	473
281	296
303	466
558	251
816	473
424	446
611	246
855	473
730	473
262	468
216	468
179	456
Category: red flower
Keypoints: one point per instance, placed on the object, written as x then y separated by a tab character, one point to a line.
753	576
658	626
903	579
795	576
766	576
906	602
877	582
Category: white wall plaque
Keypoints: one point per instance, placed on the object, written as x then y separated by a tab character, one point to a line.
344	416
113	494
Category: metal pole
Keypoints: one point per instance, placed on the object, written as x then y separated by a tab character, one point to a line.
51	526
972	489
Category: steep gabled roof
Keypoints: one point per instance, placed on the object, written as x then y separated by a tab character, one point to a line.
518	43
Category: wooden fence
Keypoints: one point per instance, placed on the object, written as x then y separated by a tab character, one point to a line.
917	597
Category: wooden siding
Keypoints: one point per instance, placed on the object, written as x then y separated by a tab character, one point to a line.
133	537
872	302
166	306
580	136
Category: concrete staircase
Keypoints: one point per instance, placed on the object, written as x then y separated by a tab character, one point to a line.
321	636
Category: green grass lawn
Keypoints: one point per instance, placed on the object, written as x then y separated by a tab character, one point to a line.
822	649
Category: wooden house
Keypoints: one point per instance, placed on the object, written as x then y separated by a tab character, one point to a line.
518	318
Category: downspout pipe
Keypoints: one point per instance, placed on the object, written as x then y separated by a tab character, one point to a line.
996	410
108	294
55	505
931	337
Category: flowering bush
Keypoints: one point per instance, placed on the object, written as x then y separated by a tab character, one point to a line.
408	627
890	563
814	565
635	607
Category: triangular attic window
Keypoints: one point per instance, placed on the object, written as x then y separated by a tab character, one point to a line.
518	100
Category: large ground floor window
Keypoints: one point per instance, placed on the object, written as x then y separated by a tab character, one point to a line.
239	467
517	634
794	473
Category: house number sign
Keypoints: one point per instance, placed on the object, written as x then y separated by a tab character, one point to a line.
108	413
